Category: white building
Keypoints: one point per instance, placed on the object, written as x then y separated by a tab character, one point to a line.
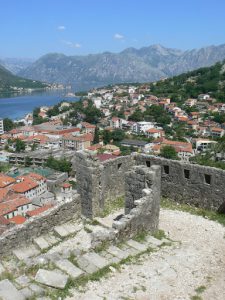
142	127
1	126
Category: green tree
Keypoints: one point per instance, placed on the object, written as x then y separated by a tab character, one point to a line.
118	135
62	165
137	116
107	136
8	124
96	136
168	152
28	161
19	145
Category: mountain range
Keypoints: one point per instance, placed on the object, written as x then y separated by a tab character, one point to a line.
131	65
15	65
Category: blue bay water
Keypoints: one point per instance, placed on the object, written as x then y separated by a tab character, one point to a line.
17	107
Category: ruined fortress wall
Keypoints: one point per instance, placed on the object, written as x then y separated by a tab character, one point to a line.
142	205
188	183
99	182
113	177
20	235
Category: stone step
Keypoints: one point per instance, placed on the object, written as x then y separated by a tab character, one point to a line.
28	294
61	231
23	281
41	243
111	258
37	290
53	278
86	265
117	252
96	259
73	227
26	252
129	250
2	269
52	239
136	245
9	292
66	266
152	241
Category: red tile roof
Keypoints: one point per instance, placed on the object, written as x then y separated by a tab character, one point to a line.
18	220
12	205
5	180
25	185
66	185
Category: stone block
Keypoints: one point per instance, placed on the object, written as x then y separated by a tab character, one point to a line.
96	259
9	292
61	231
66	266
86	265
28	294
153	241
52	239
38	291
41	243
26	252
51	278
22	281
136	245
2	269
117	252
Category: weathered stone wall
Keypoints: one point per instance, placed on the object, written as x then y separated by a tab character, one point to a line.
142	205
99	182
113	177
188	183
20	235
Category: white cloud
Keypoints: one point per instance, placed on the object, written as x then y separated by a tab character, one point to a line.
71	44
61	27
118	36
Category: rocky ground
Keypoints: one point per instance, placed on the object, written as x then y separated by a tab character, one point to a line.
188	264
194	268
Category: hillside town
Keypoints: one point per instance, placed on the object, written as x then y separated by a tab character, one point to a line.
36	151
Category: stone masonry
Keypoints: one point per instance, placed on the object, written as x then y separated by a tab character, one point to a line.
189	183
99	182
22	234
142	204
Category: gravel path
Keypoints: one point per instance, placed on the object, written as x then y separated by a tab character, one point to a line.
172	272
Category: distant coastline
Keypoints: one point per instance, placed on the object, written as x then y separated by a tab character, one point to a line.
16	106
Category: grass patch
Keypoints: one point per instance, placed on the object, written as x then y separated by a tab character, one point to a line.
7	275
196	297
200	289
102	247
159	234
207	214
141	236
112	206
88	230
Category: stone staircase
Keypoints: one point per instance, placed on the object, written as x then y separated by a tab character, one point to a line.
57	261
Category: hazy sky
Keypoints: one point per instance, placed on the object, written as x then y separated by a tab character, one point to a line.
31	28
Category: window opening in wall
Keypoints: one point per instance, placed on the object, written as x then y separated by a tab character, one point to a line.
187	173
119	166
148	163
207	178
166	169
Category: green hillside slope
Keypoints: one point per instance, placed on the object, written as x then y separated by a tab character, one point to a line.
10	82
210	80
